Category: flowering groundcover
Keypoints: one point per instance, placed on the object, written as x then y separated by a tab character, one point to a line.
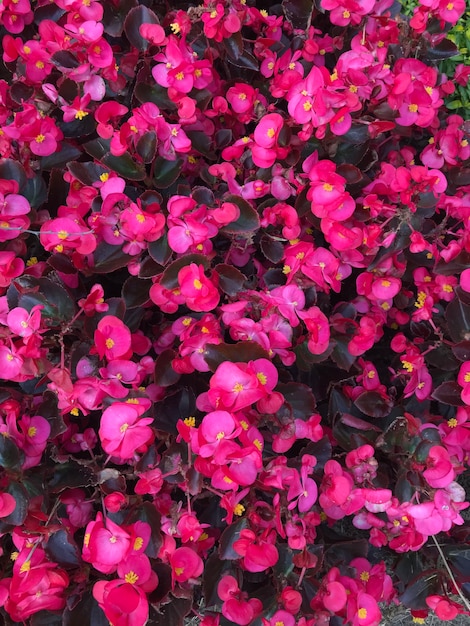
234	313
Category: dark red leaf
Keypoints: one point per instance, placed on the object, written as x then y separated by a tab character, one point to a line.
231	280
448	393
165	375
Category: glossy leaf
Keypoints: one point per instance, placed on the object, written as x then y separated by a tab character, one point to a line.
62	549
166	172
12	170
424	585
108	258
448	393
248	220
228	538
241	352
160	251
164	375
147	146
170	276
300	399
135	292
445	49
85	613
298	12
125	166
68	152
373	404
86	173
11	457
231	280
137	16
69	475
458	319
173	613
179	405
18	491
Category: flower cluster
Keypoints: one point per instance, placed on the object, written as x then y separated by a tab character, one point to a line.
234	313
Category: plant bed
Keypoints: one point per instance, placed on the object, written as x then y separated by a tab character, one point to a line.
234	313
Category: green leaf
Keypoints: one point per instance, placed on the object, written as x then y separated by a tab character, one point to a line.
248	220
202	143
345	551
149	268
46	618
149	514
35	191
97	148
57	304
48	410
234	45
137	16
155	94
246	60
458	556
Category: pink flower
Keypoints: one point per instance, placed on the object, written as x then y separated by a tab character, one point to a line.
440	471
10	267
363	610
112	338
185	564
105	544
123	603
7	504
236	606
199	291
123	432
319	329
13	208
259	553
10	363
237	385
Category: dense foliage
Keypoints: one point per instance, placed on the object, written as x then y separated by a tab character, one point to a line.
234	312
